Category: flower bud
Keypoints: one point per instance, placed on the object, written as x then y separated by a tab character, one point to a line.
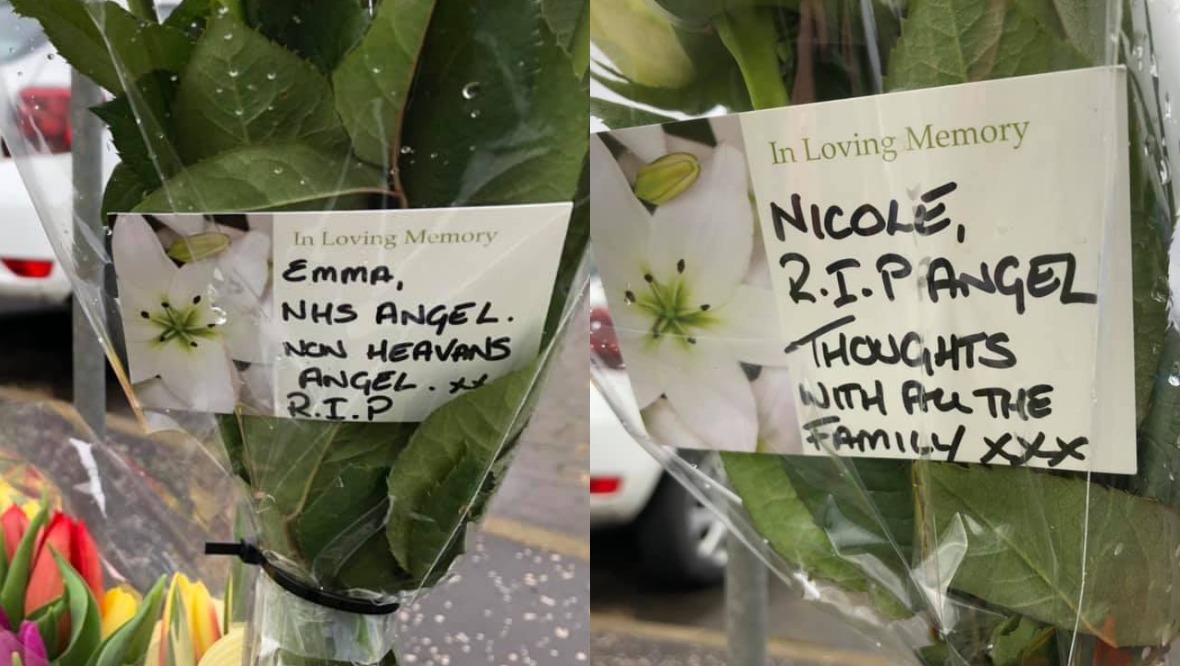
640	43
667	178
198	247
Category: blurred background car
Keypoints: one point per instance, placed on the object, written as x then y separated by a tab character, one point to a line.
39	82
681	543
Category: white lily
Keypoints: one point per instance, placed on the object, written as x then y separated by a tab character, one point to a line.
241	280
170	322
684	317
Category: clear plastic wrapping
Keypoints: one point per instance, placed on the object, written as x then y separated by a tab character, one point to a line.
434	149
1023	551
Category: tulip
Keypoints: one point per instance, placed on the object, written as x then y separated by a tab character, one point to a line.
23	648
73	542
118	607
228	650
14	522
189	628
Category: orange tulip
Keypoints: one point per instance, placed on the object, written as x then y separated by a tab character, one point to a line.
14	522
73	542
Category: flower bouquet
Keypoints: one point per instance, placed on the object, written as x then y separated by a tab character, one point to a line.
399	139
1004	564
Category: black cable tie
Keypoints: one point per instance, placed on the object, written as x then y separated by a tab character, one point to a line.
252	555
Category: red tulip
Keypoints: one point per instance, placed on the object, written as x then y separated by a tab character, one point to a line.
14	522
73	542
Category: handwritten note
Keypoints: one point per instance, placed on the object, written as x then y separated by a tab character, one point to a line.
385	316
953	270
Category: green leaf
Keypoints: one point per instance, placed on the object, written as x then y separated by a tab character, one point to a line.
190	16
1159	448
569	21
1035	539
128	645
372	83
493	121
781	515
1020	641
12	594
264	178
319	31
443	468
698	13
50	621
240	90
945	42
324	490
85	621
124	191
103	40
620	116
142	127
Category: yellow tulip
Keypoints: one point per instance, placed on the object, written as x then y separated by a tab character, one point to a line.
191	623
118	607
228	650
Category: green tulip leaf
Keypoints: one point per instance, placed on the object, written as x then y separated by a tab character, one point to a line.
12	594
128	645
372	82
240	90
105	42
85	620
51	620
264	178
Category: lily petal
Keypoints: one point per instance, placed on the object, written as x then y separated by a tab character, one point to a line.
647	143
712	396
139	259
748	327
667	428
200	376
619	224
706	235
778	423
246	264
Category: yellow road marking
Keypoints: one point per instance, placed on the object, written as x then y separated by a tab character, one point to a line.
538	537
795	651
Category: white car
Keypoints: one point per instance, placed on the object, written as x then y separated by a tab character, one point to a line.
39	86
681	541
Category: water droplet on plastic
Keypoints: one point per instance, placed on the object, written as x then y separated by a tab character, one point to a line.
174	78
1165	173
271	76
296	19
1167	106
219	90
229	36
1118	550
433	155
49	57
1155	69
406	150
1137	55
233	73
376	70
222	11
471	90
1174	380
239	113
278	170
475	113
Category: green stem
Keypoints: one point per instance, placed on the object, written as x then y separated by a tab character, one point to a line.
144	10
752	39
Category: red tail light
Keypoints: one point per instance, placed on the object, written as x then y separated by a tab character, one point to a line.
29	268
605	485
45	118
603	342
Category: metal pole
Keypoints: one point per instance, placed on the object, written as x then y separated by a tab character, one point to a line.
746	601
89	362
